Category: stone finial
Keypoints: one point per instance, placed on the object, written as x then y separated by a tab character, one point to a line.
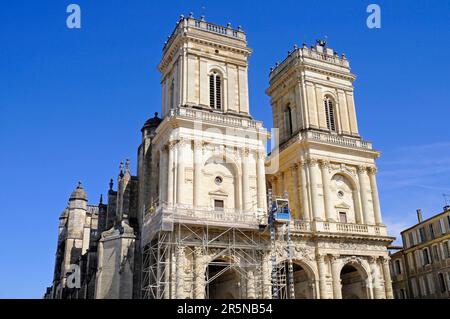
111	184
321	42
181	16
121	169
239	28
202	18
295	46
127	165
229	25
344	56
191	15
101	199
156	115
304	45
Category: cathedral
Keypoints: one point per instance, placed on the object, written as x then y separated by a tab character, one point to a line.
198	219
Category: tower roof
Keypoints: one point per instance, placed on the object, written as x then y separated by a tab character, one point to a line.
78	193
152	122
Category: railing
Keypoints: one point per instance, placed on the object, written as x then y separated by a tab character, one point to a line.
201	215
224	119
304	51
326	138
225	217
335	227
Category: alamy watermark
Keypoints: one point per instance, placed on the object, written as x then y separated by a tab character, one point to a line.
73	21
374	19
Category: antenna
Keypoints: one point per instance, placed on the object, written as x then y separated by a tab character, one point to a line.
445	198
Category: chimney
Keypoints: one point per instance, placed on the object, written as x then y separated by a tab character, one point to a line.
419	215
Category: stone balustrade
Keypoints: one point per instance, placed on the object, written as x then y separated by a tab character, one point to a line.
217	118
186	214
327	138
201	24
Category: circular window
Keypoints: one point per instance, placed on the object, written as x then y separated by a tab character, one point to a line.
340	194
218	180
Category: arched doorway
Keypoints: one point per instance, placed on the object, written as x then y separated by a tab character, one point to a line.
222	281
304	281
353	281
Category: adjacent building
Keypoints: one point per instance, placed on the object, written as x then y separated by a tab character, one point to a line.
422	268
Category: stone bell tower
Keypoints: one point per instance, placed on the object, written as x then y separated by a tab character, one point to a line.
205	66
209	157
313	106
329	173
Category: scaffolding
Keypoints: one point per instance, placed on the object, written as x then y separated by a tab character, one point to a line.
241	249
282	272
231	240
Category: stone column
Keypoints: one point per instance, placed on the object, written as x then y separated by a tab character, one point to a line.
305	198
387	278
181	259
245	182
363	193
166	266
266	277
375	199
312	163
378	292
200	269
180	171
261	180
197	171
274	185
336	275
163	176
170	174
329	211
251	292
296	185
322	276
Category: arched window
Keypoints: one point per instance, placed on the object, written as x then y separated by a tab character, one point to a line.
288	120
329	113
215	91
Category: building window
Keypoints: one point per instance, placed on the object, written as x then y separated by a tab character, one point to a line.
329	113
343	217
398	268
442	226
432	231
218	204
435	253
426	256
422	235
446	249
288	120
442	282
410	261
215	91
411	240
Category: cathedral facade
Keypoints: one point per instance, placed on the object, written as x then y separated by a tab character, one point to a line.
194	221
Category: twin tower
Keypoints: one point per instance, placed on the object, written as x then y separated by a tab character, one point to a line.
193	222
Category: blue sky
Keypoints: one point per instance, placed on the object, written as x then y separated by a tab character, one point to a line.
72	102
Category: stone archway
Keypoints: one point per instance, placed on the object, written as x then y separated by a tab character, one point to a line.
304	280
222	281
353	282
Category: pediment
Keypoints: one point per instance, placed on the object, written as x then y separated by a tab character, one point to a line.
342	205
218	192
